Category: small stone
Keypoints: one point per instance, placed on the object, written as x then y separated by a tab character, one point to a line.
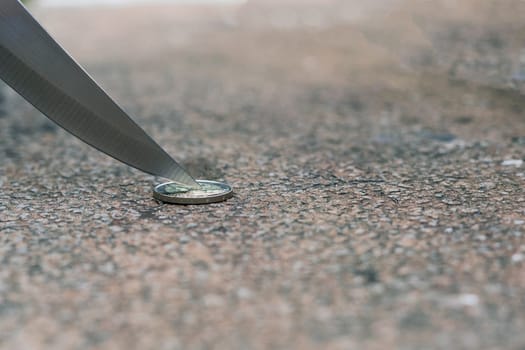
244	293
512	162
468	299
488	185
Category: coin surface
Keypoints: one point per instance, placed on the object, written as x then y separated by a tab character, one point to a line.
209	192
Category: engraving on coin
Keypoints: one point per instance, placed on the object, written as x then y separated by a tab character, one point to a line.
209	192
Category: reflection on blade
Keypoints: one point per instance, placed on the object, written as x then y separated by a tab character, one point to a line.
34	65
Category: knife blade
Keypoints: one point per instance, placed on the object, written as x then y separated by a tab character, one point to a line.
40	70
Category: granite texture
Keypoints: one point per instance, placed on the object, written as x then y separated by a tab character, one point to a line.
377	157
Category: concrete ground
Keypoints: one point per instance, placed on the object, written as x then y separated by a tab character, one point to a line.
377	156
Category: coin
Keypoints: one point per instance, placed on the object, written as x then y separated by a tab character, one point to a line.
209	192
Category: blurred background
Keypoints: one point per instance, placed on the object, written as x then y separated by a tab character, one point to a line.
480	41
127	2
442	59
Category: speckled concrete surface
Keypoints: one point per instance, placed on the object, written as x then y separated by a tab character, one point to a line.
378	164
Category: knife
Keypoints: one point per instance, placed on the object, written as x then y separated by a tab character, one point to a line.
40	70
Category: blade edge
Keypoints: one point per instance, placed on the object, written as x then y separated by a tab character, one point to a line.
19	76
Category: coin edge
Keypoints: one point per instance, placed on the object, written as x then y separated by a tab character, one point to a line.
195	201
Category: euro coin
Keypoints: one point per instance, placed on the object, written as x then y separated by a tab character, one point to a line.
209	192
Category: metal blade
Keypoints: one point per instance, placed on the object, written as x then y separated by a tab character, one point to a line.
34	65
